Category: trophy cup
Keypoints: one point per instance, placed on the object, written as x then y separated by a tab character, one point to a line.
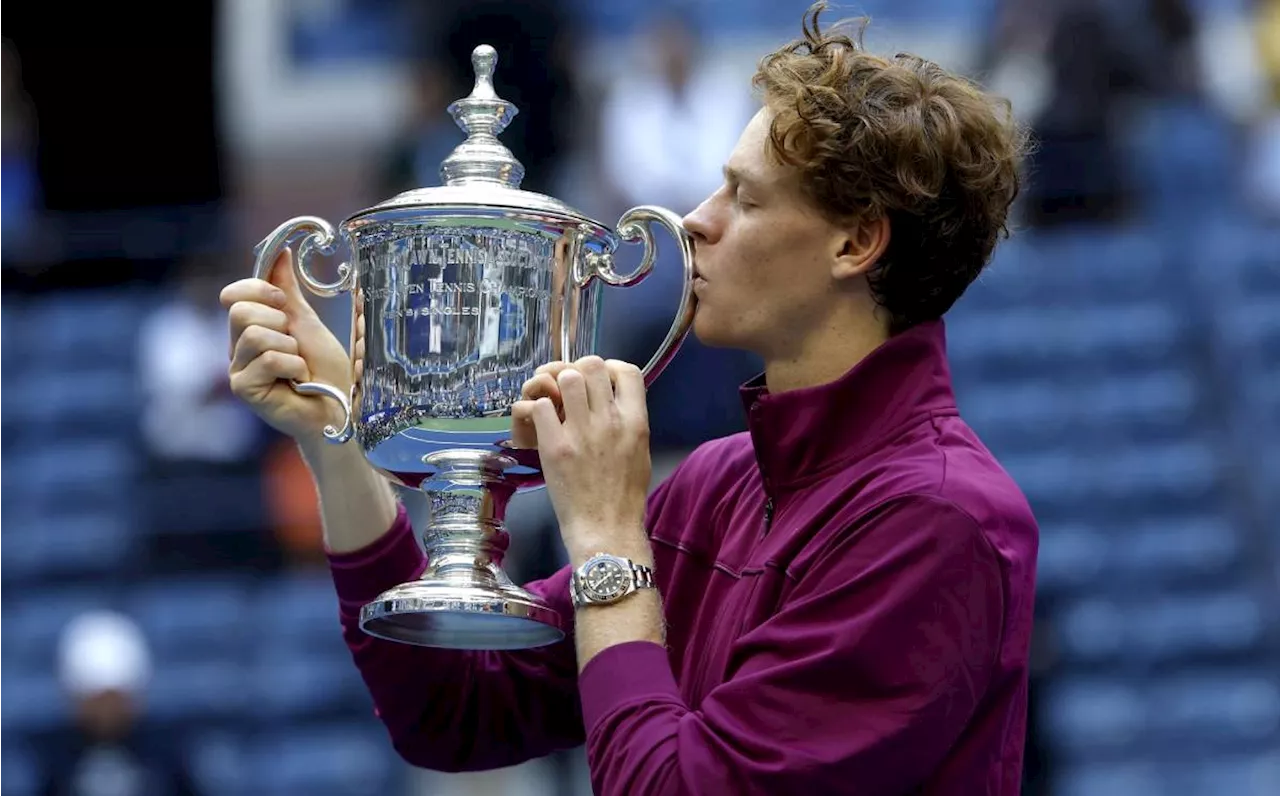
460	292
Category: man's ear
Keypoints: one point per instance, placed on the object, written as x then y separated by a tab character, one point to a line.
860	247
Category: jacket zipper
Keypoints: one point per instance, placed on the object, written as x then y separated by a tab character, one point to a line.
718	630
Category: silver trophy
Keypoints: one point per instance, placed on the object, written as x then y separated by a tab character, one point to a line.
460	292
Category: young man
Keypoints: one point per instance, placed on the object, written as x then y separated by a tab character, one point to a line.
842	596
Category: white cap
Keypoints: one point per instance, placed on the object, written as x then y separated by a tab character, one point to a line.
103	651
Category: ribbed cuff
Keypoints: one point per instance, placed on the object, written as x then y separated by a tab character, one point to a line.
624	674
394	558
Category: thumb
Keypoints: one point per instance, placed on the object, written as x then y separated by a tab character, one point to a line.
283	276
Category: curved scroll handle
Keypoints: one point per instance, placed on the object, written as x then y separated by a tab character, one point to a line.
323	240
634	226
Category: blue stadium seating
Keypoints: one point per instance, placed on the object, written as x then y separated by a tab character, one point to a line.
322	760
1154	555
1239	775
21	772
71	542
1136	632
299	610
195	617
33	699
199	692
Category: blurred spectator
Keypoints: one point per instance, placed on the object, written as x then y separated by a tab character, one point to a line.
1100	57
535	41
205	501
1264	182
430	134
190	414
670	120
104	666
293	507
19	180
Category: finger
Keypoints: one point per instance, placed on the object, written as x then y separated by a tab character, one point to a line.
599	387
258	340
546	424
542	385
629	389
266	370
524	433
244	314
522	412
552	368
573	392
256	291
359	311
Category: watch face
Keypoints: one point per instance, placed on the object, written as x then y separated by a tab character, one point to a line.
605	579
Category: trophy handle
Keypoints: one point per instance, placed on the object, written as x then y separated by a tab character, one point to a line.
321	239
634	225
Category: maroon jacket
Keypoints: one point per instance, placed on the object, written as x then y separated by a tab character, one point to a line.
848	589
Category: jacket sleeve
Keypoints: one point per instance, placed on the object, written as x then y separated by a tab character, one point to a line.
454	710
859	684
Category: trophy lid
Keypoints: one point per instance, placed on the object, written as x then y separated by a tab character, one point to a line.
481	171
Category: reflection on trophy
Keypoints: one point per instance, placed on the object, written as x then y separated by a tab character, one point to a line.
463	290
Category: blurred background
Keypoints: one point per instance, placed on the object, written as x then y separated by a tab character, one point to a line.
166	609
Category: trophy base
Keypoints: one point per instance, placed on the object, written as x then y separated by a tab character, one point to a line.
459	615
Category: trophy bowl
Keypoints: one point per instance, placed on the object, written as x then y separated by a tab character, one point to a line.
460	292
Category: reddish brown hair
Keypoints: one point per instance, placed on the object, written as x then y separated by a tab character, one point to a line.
897	137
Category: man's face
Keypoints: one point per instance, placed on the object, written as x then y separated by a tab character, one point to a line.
763	253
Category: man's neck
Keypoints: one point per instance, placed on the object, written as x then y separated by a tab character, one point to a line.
825	356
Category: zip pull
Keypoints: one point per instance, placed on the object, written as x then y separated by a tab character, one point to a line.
768	514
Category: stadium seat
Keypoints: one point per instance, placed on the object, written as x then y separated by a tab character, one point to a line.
195	617
33	699
71	542
198	692
21	771
299	610
336	759
301	684
1122	634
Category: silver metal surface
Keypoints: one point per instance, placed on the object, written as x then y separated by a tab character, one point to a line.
321	238
460	293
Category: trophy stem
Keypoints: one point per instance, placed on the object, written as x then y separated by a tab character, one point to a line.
463	599
465	538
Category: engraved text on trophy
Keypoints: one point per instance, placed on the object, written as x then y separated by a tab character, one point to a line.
456	321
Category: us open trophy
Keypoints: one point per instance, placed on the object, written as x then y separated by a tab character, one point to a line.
459	293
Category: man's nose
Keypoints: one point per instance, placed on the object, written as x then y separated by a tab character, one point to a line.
698	223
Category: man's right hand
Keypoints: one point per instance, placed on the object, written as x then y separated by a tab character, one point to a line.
277	336
543	384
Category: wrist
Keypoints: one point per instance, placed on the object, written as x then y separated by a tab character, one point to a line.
629	540
321	454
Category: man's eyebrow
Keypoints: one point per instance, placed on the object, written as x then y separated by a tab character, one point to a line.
732	176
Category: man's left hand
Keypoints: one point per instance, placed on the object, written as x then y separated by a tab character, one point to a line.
596	460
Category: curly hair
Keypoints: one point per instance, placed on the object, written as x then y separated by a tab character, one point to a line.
903	138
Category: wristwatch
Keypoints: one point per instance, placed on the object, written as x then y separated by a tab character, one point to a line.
604	579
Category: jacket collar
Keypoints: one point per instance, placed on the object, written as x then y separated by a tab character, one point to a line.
799	434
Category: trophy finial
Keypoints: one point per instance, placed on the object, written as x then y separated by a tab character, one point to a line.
482	116
483	59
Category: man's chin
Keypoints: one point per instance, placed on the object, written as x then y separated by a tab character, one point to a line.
709	333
